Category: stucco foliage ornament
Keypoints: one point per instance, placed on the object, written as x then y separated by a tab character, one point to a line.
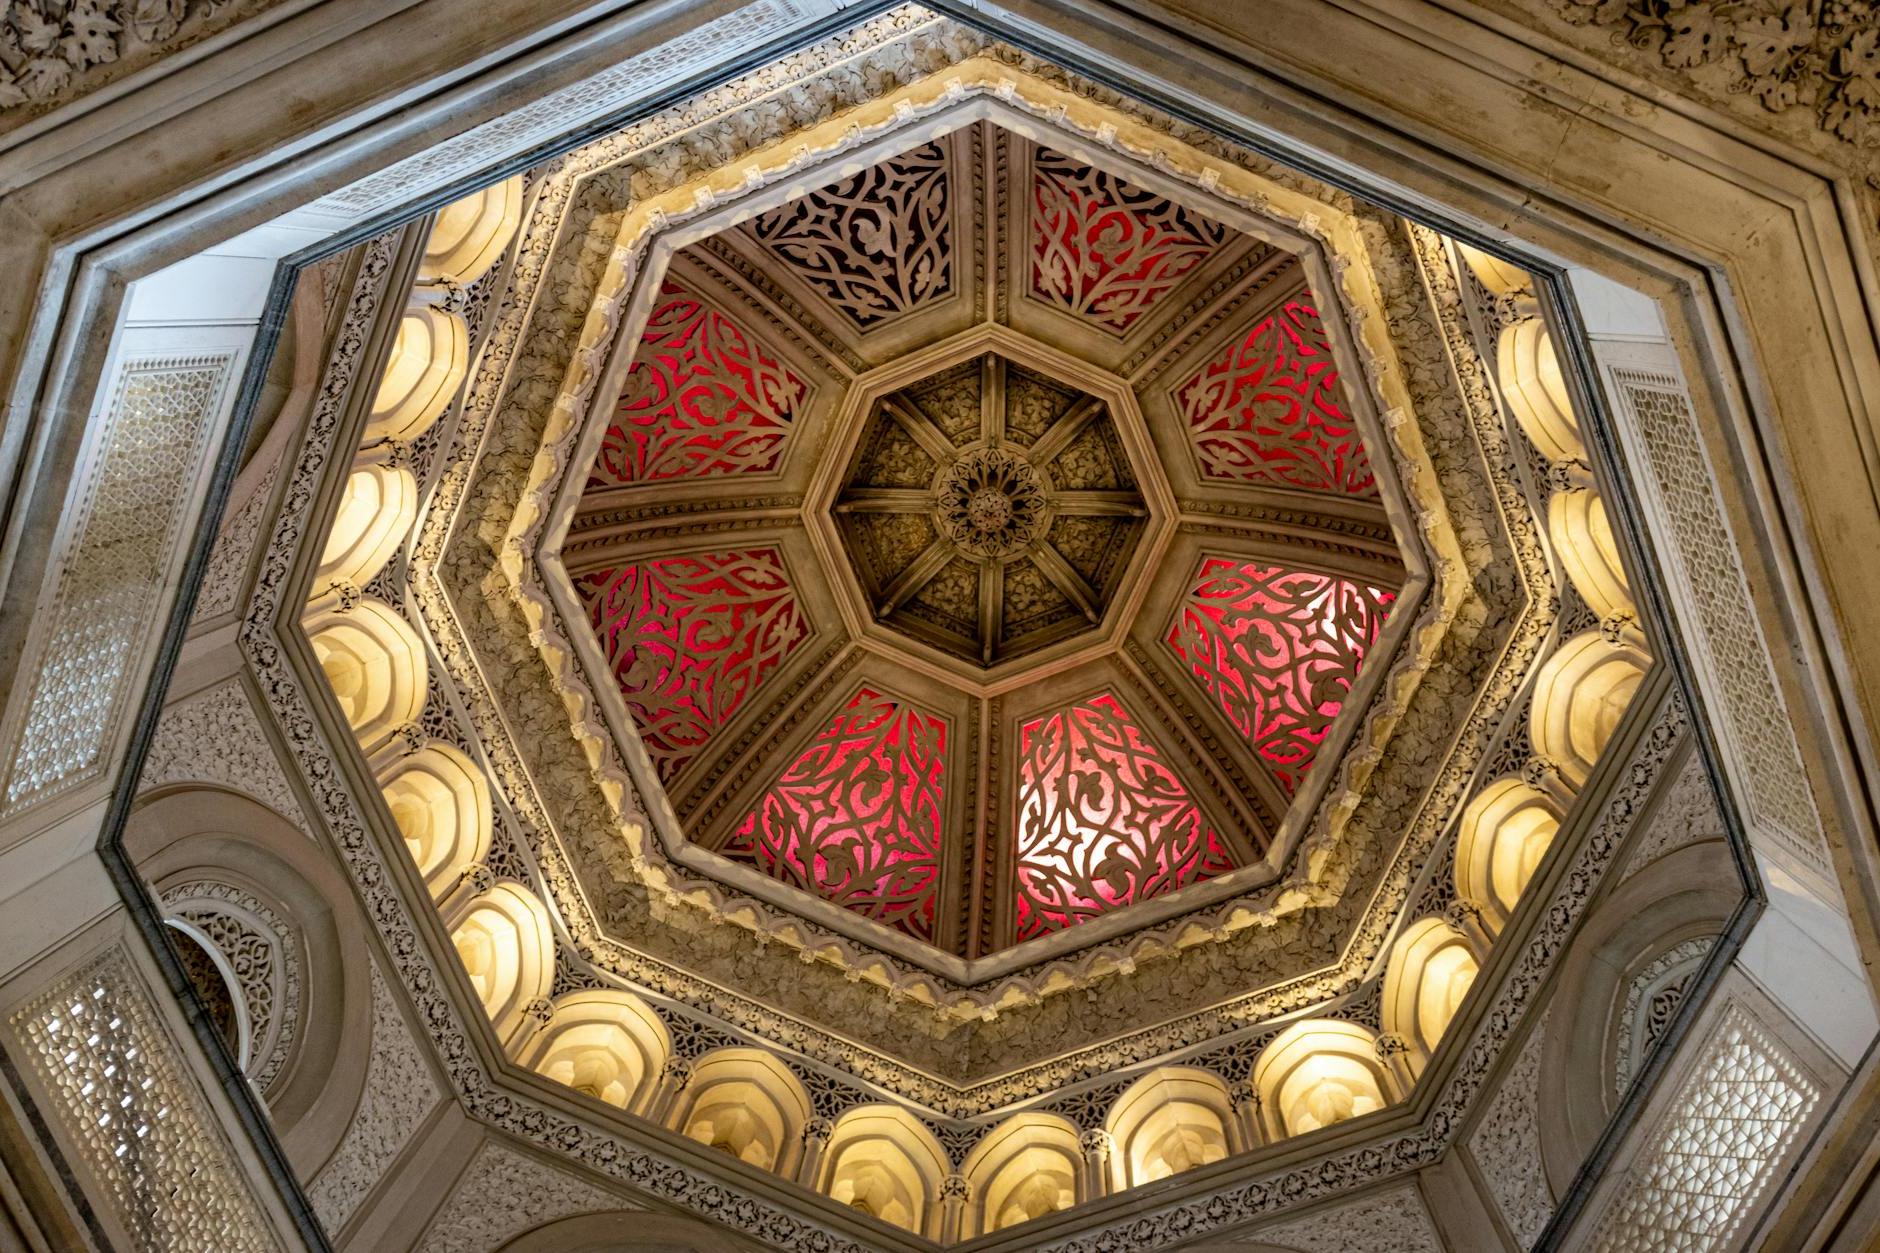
47	45
1823	55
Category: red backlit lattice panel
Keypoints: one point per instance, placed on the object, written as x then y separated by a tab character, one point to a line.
1107	251
1102	820
1266	410
690	639
1278	649
856	819
703	397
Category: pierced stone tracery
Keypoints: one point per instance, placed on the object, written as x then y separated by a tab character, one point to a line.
857	818
1102	821
1278	649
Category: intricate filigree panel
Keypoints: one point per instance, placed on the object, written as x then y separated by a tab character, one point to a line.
1733	1122
876	244
1278	649
690	639
857	817
1102	821
1266	410
1105	250
703	397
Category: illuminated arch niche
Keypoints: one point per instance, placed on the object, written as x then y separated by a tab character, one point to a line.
882	1161
1025	1168
1171	1120
375	665
747	1103
1431	968
606	1043
470	234
441	803
1581	695
507	947
1319	1072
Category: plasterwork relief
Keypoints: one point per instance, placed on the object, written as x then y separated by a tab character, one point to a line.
504	1194
1393	1221
222	581
265	956
399	1092
1686	815
616	1154
1046	1036
621	1158
1506	1144
55	51
216	737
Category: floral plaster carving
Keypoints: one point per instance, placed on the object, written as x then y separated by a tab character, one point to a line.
1687	814
265	956
1506	1144
399	1092
53	51
505	1193
228	561
215	737
1396	1221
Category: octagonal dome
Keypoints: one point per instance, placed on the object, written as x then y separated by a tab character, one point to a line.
1031	549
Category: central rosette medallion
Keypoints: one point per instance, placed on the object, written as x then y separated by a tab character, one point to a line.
990	503
990	509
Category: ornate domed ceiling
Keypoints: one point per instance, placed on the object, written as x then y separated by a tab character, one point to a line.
943	644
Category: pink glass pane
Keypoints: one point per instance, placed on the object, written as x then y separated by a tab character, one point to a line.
856	818
1103	822
701	398
690	638
1279	650
1266	410
1105	250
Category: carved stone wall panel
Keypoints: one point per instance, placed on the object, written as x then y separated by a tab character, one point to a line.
215	737
1729	638
265	955
227	572
399	1092
1506	1144
1734	1120
1392	1221
503	1194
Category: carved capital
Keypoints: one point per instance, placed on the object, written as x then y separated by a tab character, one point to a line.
1097	1144
541	1010
818	1130
479	878
956	1188
1391	1045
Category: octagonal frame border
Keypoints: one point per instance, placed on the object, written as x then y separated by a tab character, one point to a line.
547	509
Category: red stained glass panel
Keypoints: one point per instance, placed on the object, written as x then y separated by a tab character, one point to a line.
702	398
1103	822
1278	649
690	639
1266	410
1104	250
856	818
